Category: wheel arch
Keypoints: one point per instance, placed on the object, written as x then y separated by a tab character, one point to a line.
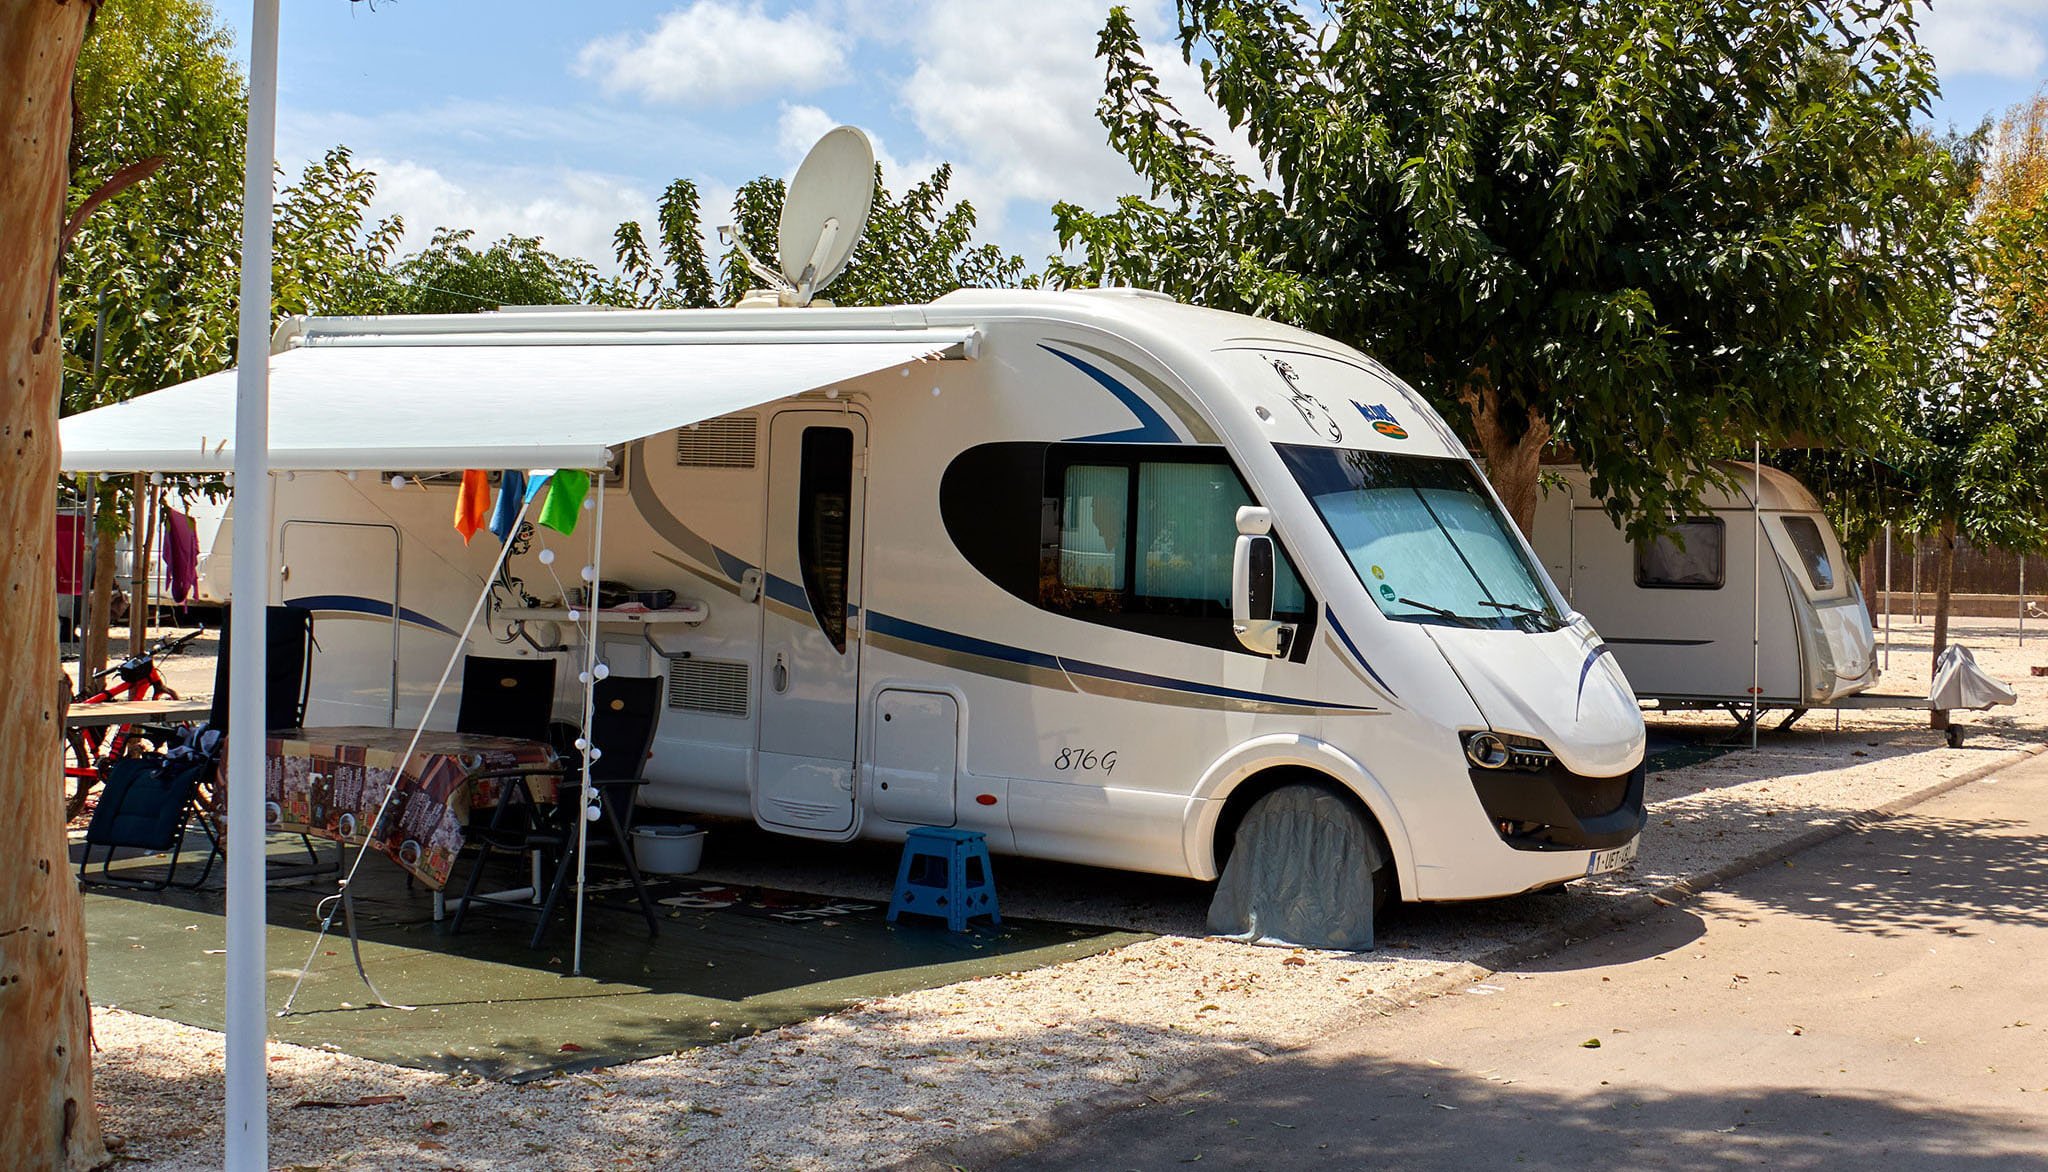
1260	766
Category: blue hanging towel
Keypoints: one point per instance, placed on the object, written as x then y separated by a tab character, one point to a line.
511	498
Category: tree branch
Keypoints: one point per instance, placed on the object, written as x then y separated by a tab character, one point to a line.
117	183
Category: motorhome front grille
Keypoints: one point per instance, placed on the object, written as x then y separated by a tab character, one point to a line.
708	685
731	442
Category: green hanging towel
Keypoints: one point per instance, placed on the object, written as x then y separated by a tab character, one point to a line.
566	490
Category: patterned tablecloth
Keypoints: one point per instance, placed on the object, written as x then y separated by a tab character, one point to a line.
328	782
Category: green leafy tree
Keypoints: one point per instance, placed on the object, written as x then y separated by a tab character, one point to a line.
149	285
1644	234
914	249
450	275
1968	455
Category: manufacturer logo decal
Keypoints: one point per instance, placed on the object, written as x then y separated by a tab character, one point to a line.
1382	420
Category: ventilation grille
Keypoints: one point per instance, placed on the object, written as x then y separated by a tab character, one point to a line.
708	685
718	443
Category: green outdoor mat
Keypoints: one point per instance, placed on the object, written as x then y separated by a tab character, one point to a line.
728	962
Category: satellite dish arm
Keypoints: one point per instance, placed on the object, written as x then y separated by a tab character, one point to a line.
775	280
806	282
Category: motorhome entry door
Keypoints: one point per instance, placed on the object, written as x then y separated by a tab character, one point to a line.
810	607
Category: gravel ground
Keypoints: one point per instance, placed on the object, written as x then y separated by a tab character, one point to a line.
928	1069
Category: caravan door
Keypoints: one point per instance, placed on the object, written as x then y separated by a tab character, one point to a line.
810	600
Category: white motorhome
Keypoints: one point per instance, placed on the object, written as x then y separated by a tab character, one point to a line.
968	563
1692	616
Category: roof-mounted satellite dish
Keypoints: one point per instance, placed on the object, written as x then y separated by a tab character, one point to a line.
823	215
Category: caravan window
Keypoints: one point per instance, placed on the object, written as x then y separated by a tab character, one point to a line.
1094	504
1693	556
1813	551
823	526
1133	536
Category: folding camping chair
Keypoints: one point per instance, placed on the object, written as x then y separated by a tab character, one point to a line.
287	685
146	804
508	698
622	727
288	664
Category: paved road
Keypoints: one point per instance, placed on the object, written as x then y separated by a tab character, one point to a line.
1880	1002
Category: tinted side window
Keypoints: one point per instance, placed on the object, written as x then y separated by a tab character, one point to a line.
823	532
1694	556
1813	551
1135	536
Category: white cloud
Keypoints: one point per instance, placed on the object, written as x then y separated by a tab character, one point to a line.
573	212
1008	93
718	53
799	128
1996	38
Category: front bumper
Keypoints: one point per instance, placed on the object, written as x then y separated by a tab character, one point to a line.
1554	809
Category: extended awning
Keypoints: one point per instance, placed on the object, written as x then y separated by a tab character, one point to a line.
413	407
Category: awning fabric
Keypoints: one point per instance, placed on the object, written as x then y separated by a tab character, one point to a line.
412	407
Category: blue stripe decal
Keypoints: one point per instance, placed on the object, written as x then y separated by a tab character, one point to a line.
1586	669
882	624
1151	429
1105	672
729	565
788	593
1344	637
356	604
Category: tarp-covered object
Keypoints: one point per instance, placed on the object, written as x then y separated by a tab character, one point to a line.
1960	683
1300	874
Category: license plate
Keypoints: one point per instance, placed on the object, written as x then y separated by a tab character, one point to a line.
1613	860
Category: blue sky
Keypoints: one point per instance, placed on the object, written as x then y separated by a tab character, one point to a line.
559	119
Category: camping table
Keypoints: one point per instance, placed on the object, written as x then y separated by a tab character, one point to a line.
135	712
328	782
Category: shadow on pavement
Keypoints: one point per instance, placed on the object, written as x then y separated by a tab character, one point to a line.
1379	1114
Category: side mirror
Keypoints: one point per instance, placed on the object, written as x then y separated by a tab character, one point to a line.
1251	586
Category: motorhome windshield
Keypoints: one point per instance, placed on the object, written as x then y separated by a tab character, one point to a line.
1424	537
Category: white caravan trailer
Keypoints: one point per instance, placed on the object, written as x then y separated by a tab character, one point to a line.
968	563
1694	620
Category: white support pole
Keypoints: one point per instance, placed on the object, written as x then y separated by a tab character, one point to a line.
591	749
248	1120
1756	598
1887	596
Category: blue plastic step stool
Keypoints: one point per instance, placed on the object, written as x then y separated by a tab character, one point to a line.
945	872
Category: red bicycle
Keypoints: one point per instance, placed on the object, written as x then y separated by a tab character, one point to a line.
91	749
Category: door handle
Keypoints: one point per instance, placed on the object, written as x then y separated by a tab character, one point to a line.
779	675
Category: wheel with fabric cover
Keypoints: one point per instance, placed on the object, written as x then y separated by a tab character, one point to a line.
1307	866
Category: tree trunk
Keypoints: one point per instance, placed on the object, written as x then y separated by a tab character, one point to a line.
1511	442
138	568
103	554
1873	580
47	1117
1944	581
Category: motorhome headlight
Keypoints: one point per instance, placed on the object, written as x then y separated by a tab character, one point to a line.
1486	749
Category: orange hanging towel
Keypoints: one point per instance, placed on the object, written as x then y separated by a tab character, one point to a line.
473	503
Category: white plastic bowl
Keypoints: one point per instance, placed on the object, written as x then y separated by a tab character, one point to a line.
668	850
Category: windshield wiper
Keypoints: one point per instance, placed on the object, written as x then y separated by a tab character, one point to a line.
1440	612
1518	608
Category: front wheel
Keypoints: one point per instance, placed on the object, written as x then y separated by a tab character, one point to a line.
1307	866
